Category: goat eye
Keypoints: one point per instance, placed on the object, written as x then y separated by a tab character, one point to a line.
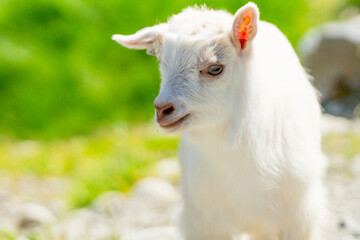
214	69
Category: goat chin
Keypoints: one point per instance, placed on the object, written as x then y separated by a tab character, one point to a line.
251	147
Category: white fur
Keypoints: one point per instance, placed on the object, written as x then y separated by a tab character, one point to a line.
250	152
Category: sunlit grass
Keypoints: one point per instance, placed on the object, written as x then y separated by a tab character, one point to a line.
62	75
6	236
110	159
346	144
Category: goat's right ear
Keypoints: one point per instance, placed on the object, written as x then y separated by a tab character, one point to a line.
142	39
245	26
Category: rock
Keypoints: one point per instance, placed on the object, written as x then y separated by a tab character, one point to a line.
168	169
356	165
154	189
8	211
110	204
349	228
22	238
154	202
332	54
6	196
154	233
32	215
351	225
83	224
335	124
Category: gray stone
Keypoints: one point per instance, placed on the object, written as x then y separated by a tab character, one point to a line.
110	204
8	211
154	202
83	224
155	189
32	215
22	238
153	233
332	55
336	124
168	169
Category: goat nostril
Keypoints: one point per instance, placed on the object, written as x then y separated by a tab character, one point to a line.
168	110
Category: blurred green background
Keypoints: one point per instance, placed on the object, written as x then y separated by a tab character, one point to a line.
60	73
82	99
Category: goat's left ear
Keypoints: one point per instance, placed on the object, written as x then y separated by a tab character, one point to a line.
245	26
147	38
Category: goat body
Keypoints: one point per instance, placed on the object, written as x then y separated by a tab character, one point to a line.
251	147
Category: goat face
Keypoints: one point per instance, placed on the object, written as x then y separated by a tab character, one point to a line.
199	53
196	82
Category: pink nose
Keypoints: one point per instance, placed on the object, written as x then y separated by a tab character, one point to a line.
164	110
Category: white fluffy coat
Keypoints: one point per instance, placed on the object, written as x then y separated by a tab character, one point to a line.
251	147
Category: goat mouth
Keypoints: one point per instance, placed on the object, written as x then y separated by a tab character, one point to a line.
175	123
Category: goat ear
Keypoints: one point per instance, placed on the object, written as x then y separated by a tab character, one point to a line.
142	39
245	25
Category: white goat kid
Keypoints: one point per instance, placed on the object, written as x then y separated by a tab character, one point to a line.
250	151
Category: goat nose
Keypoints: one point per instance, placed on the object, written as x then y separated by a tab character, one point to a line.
164	110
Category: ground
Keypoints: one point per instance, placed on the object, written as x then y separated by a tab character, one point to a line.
36	206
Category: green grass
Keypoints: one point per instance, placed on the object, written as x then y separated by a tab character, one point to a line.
109	159
346	144
61	74
112	158
7	236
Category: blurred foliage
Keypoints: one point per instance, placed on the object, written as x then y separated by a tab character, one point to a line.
62	79
354	2
60	73
346	144
342	146
7	236
112	158
109	159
